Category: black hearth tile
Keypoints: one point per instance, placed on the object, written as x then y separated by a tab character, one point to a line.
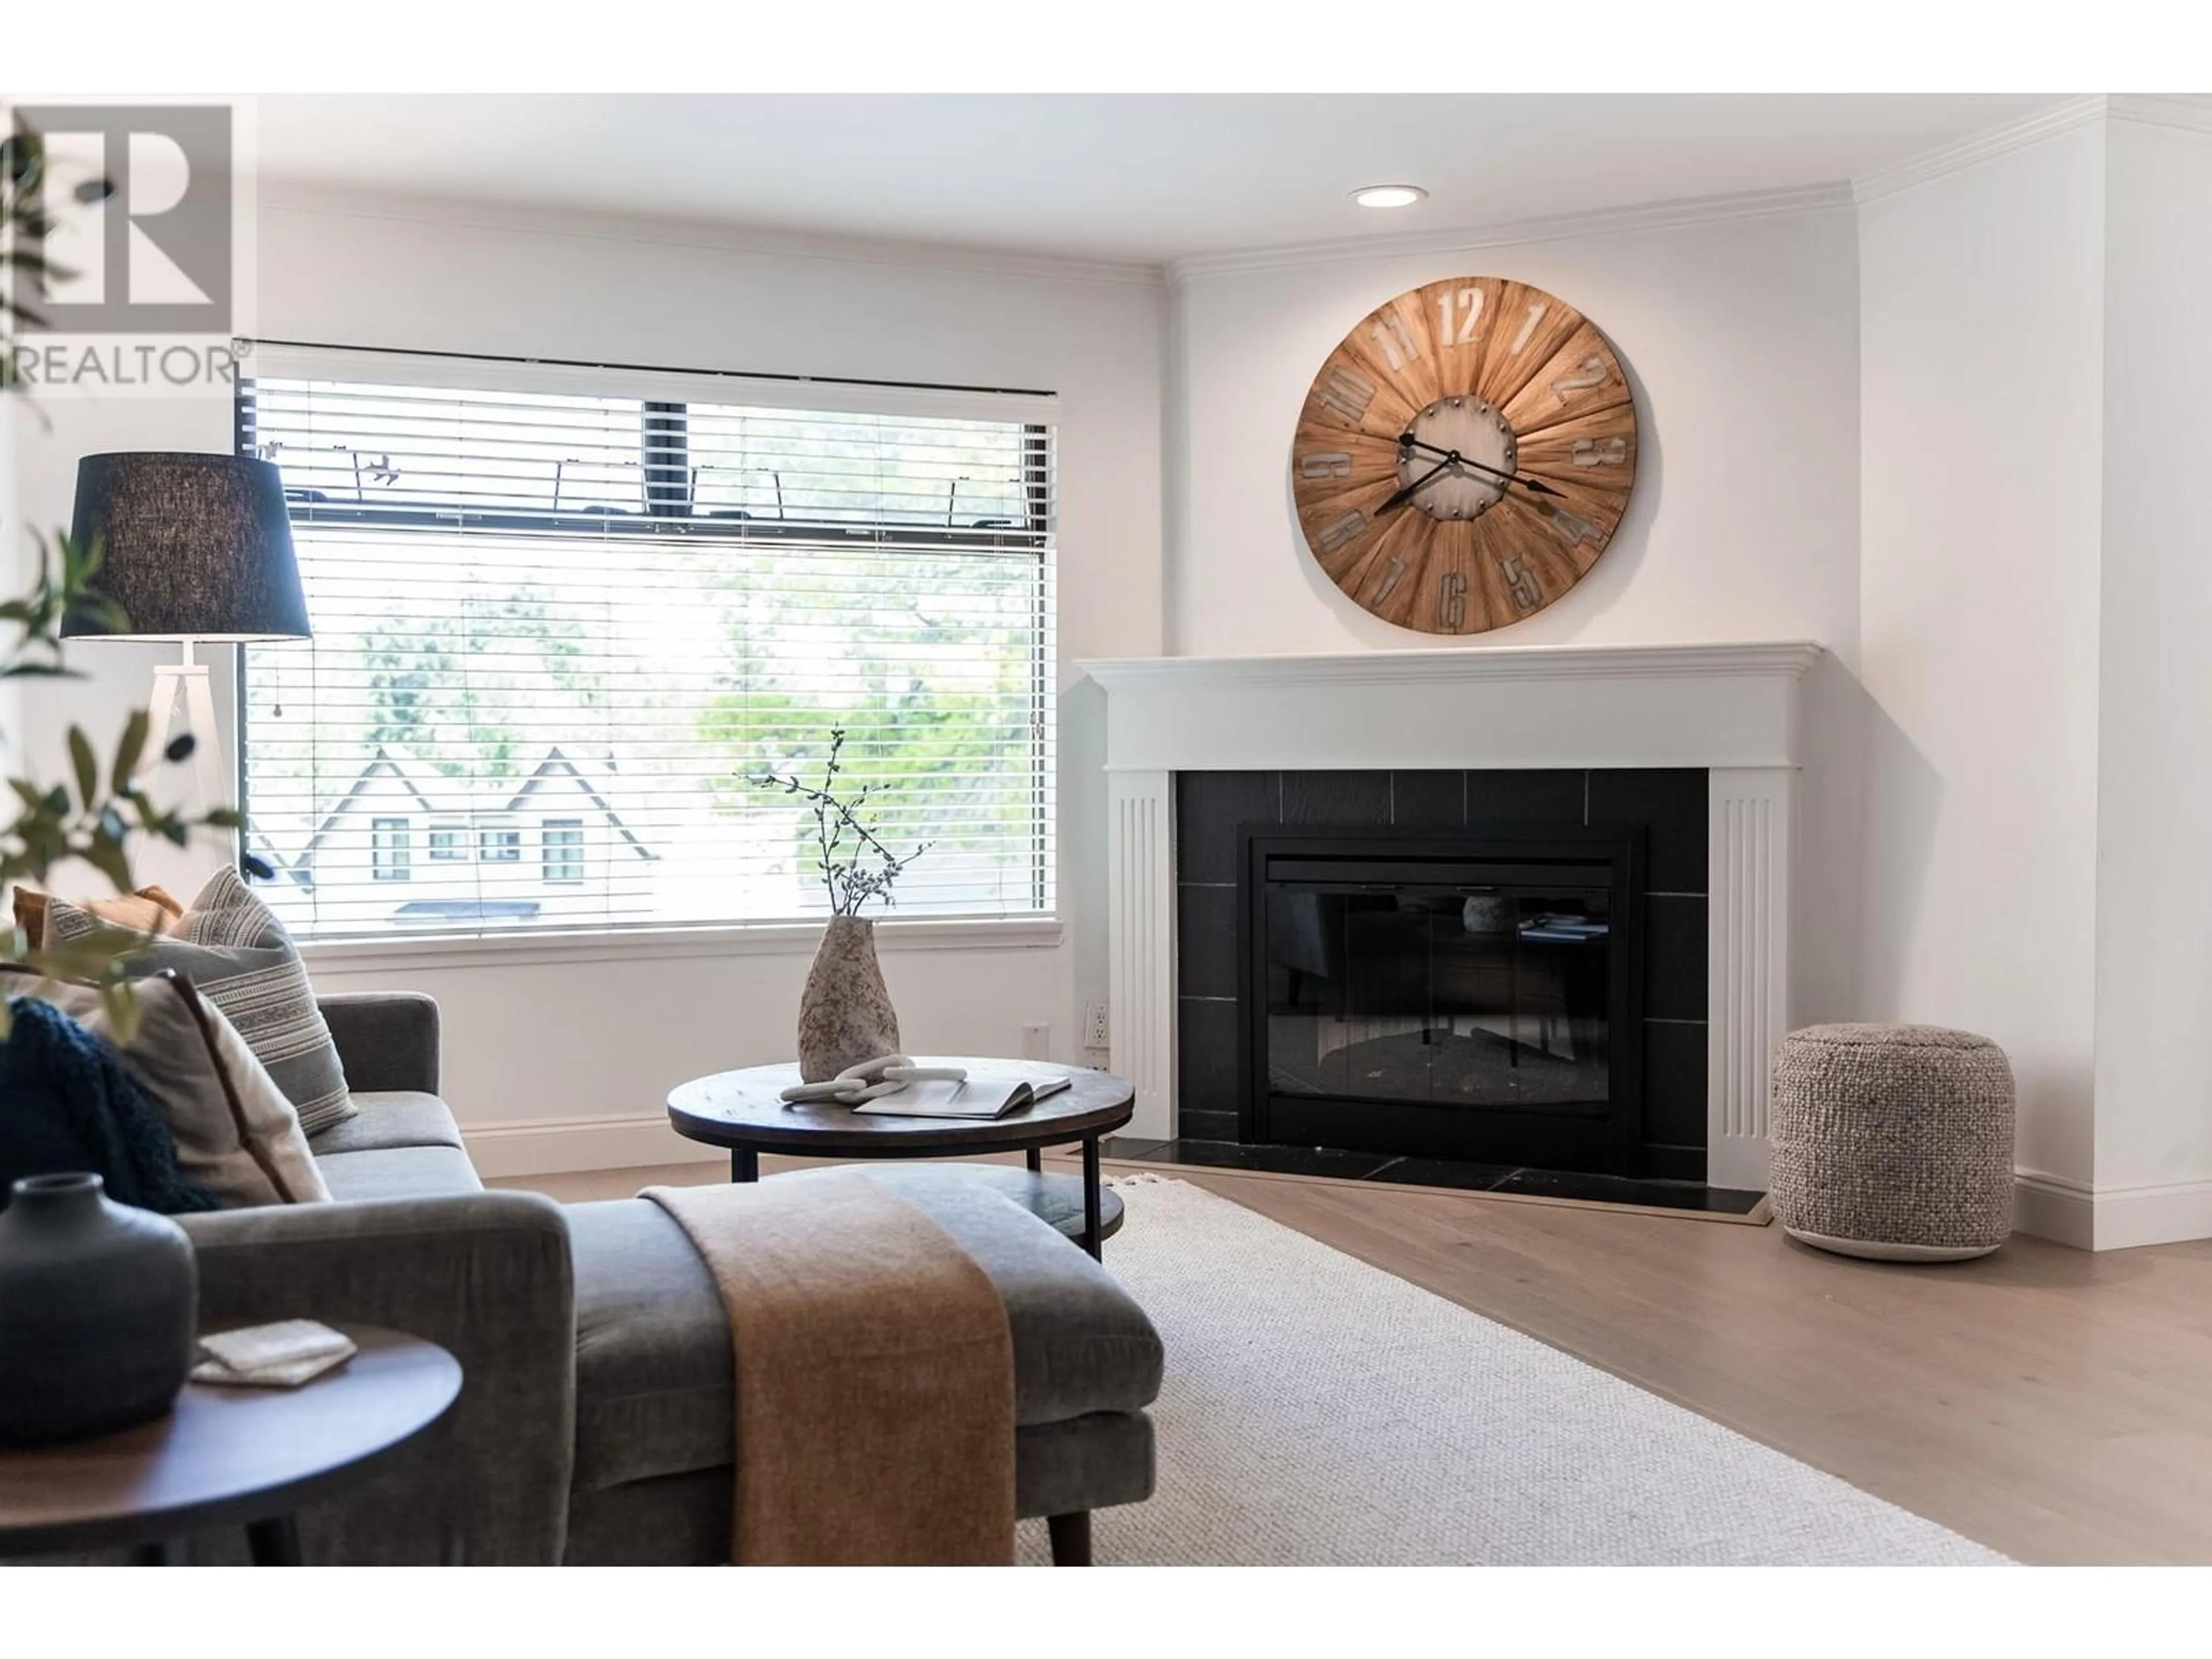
1206	1041
1664	1163
1128	1146
1206	941
1210	808
1670	805
1336	798
1206	1126
1674	957
1674	1083
1524	797
1728	1200
1444	1172
1615	1189
1274	1160
1428	800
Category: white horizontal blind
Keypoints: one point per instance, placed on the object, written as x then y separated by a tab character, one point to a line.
556	630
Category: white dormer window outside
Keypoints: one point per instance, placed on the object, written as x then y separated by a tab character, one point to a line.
390	853
564	849
449	843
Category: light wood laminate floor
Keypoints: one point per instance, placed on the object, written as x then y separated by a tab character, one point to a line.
2052	1404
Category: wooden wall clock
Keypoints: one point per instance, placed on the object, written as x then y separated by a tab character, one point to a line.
1465	455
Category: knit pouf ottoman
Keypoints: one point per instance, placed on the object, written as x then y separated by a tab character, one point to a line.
1892	1141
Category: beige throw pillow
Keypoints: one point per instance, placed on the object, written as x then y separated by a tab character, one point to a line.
231	945
236	1133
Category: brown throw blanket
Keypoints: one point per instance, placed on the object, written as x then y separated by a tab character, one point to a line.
875	1377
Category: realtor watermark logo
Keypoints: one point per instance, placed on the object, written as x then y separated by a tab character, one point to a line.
136	237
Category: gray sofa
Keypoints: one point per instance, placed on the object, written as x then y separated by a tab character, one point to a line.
595	1425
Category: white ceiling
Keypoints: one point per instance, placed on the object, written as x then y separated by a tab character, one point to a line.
1139	179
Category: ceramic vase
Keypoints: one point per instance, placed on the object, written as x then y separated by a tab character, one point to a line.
98	1311
845	1014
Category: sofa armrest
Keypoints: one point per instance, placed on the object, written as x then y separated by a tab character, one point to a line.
488	1276
386	1040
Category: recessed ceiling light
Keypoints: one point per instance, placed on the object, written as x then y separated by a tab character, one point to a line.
1389	196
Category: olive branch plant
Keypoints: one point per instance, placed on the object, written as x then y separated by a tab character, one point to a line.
855	864
105	809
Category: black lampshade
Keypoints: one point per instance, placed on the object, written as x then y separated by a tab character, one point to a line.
196	547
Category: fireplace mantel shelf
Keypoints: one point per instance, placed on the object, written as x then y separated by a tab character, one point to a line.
1729	710
1759	659
1499	705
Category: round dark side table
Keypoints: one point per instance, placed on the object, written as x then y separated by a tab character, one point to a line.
743	1111
228	1457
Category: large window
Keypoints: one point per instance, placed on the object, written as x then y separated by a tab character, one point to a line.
573	610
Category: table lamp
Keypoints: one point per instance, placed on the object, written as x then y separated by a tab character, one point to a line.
194	547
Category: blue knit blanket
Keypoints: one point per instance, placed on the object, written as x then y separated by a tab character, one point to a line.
67	1105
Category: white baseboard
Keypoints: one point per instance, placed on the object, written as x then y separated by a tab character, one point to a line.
2090	1217
2054	1208
573	1144
2155	1212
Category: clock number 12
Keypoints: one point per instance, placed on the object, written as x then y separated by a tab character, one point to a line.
1468	303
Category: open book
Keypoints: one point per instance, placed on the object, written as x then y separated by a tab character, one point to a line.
983	1095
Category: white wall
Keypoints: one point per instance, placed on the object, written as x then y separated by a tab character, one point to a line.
1740	340
1982	432
580	1038
2153	1068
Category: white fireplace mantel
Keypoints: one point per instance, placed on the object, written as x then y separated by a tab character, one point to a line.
1729	709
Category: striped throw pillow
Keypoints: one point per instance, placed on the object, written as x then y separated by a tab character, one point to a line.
237	954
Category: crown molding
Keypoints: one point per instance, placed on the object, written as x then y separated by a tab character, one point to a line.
2179	114
1977	148
1605	222
281	197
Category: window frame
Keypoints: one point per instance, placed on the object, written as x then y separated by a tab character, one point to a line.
668	485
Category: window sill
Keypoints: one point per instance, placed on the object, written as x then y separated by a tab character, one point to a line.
670	944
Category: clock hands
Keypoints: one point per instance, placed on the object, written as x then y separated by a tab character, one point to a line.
1401	497
1534	486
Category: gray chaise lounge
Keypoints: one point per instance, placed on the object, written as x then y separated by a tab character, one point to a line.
596	1422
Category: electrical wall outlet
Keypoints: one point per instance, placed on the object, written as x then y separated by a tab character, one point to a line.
1097	1033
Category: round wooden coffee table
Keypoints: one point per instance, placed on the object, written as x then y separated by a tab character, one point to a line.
228	1457
743	1111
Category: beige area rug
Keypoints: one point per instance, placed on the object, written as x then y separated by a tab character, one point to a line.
1318	1411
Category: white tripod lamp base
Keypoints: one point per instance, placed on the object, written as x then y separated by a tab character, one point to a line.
187	680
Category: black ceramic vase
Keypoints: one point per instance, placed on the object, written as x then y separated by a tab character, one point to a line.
99	1307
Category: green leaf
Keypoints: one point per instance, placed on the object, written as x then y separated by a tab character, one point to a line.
109	859
86	765
225	817
127	752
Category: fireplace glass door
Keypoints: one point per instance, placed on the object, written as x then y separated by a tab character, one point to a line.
1461	1008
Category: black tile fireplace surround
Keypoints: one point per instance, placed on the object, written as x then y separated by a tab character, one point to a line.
1546	1012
